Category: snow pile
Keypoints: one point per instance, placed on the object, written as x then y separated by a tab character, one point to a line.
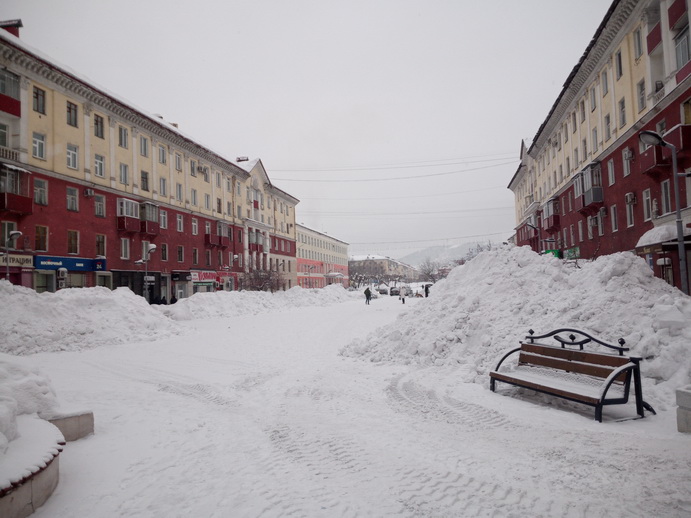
237	303
484	307
22	391
75	319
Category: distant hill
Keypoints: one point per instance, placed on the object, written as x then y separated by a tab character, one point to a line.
441	254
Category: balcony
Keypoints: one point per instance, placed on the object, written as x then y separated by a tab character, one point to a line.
224	241
16	203
151	228
14	190
653	162
654	38
680	137
128	224
551	224
212	240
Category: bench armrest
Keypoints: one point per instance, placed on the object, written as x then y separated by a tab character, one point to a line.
506	356
613	375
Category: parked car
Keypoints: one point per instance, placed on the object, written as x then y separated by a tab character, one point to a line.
394	291
383	291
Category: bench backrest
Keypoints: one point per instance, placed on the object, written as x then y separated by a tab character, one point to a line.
582	362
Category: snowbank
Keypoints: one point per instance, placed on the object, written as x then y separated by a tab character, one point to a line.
485	306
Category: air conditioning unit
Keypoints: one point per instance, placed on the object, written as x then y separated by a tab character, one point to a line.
630	198
88	193
62	284
62	273
628	154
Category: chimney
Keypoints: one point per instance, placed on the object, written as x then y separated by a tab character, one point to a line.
12	26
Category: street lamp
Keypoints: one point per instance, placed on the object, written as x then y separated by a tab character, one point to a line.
145	261
12	236
309	275
650	138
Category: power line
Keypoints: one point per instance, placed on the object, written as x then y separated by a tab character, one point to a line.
432	240
418	213
397	178
407	197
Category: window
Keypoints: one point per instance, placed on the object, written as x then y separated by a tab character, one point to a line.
163	218
608	128
98	126
72	156
178	162
647	205
568	165
143	146
593	99
594	132
180	223
629	215
40	192
72	199
637	44
622	112
41	239
665	198
195	256
604	83
4	135
72	242
178	191
39	100
618	65
610	171
101	245
582	110
100	166
193	197
124	248
162	154
181	254
640	89
195	226
72	113
580	230
193	167
39	146
128	208
229	208
208	257
218	179
100	206
219	205
613	218
124	174
207	227
123	137
681	44
625	160
239	211
584	145
144	184
9	84
164	252
162	187
575	157
566	132
207	201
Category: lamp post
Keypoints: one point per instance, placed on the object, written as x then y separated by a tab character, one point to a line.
145	261
309	275
650	138
12	236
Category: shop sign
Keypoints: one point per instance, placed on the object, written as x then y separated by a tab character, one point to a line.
572	253
74	264
25	261
203	276
181	276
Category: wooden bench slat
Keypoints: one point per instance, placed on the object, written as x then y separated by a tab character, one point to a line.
574	355
544	388
588	369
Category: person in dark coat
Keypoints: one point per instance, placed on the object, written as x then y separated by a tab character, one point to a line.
173	300
368	295
164	301
426	290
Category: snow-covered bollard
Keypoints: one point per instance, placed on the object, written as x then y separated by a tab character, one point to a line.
684	409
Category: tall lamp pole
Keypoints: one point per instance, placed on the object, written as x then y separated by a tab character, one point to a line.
145	261
12	236
650	138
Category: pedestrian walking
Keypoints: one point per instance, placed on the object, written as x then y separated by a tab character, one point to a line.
368	295
401	294
426	290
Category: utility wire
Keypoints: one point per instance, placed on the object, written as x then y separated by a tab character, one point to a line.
379	198
360	213
430	240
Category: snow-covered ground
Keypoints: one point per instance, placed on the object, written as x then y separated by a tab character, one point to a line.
311	403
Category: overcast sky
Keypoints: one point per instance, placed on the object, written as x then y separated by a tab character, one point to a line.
397	123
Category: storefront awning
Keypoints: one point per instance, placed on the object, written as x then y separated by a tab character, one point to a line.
660	234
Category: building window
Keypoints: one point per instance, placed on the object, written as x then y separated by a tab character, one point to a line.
72	242
143	146
218	179
162	154
207	227
39	100
123	137
608	128
164	252
178	162
594	132
610	171
647	206
98	126
124	248
72	113
39	146
618	65
208	257
582	110
640	89
629	215
626	161
195	227
681	44
593	99
178	191
40	192
637	43
100	166
665	198
219	205
9	84
613	218
144	184
575	158
181	254
4	135
229	208
193	167
622	112
163	187
604	83
72	156
580	230
128	208
100	206
163	218
73	199
101	245
124	174
193	197
41	239
584	145
207	201
180	223
195	256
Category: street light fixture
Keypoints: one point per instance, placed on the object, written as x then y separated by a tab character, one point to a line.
650	138
145	261
12	236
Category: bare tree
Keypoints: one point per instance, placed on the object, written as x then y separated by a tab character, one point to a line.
263	280
429	270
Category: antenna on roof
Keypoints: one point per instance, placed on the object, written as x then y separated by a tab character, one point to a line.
242	159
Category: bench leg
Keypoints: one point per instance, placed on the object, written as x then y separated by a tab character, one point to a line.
491	384
598	413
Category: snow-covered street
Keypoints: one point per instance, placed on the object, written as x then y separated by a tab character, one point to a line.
259	416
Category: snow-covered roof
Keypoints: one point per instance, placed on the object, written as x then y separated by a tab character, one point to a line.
660	234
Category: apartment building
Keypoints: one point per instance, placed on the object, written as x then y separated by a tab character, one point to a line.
378	268
322	259
105	194
587	185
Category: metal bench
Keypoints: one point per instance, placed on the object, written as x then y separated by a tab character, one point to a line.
568	371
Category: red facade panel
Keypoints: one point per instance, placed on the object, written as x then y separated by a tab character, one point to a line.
127	224
684	72
651	161
16	203
675	13
10	105
654	38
